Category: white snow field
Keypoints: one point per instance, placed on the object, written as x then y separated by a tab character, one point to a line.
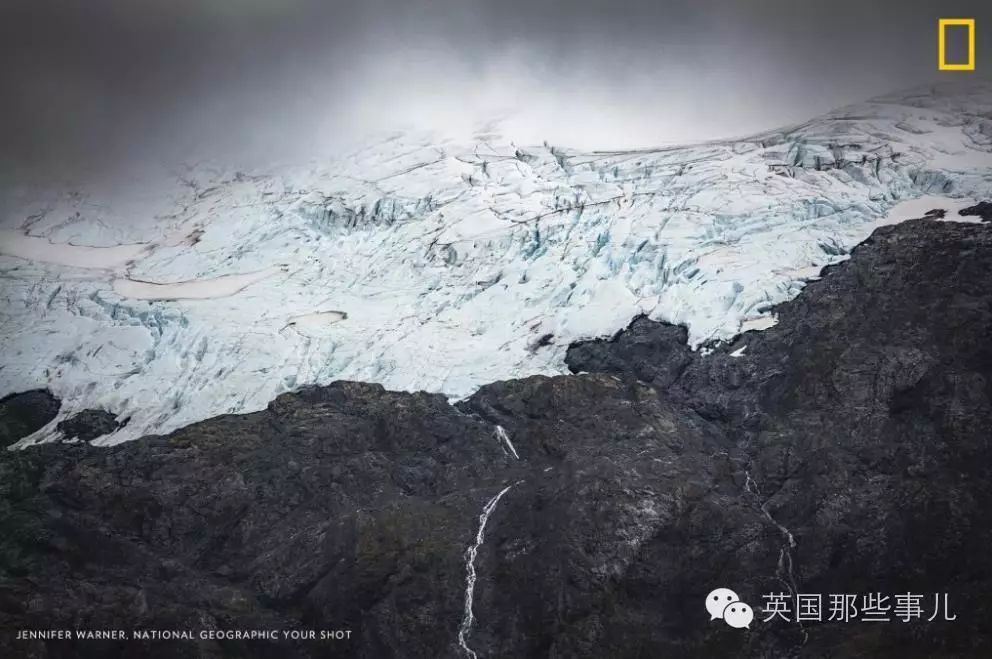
425	264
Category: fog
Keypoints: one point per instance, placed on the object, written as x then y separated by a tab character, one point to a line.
101	86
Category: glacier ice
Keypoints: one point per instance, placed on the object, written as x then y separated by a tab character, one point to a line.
428	264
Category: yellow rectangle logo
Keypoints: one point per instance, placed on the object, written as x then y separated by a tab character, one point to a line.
942	26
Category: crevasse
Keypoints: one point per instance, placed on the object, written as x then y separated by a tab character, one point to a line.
425	264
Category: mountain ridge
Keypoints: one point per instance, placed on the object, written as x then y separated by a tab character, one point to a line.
844	450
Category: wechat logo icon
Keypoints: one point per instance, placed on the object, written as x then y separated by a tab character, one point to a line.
724	604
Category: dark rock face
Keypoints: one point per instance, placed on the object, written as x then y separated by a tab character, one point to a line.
24	413
651	352
845	451
88	425
983	209
863	415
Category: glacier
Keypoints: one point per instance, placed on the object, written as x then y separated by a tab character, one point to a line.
426	263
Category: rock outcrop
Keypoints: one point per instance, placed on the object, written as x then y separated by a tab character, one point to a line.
982	209
23	413
87	425
844	450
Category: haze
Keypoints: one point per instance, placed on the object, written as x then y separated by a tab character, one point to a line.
96	87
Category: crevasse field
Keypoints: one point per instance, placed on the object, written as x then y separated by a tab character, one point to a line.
425	264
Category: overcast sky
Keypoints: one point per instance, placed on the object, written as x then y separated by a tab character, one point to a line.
104	83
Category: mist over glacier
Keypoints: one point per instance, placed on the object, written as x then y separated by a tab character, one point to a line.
98	90
424	262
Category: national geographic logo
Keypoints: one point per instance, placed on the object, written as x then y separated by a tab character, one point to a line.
956	44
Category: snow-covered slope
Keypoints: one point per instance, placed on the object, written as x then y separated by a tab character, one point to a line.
420	263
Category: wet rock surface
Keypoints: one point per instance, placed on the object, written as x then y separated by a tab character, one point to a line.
844	450
23	413
88	425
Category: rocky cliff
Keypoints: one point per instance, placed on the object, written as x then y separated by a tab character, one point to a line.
844	450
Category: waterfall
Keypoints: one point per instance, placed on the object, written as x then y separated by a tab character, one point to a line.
505	439
468	618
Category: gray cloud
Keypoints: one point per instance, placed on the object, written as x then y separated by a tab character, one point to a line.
102	84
